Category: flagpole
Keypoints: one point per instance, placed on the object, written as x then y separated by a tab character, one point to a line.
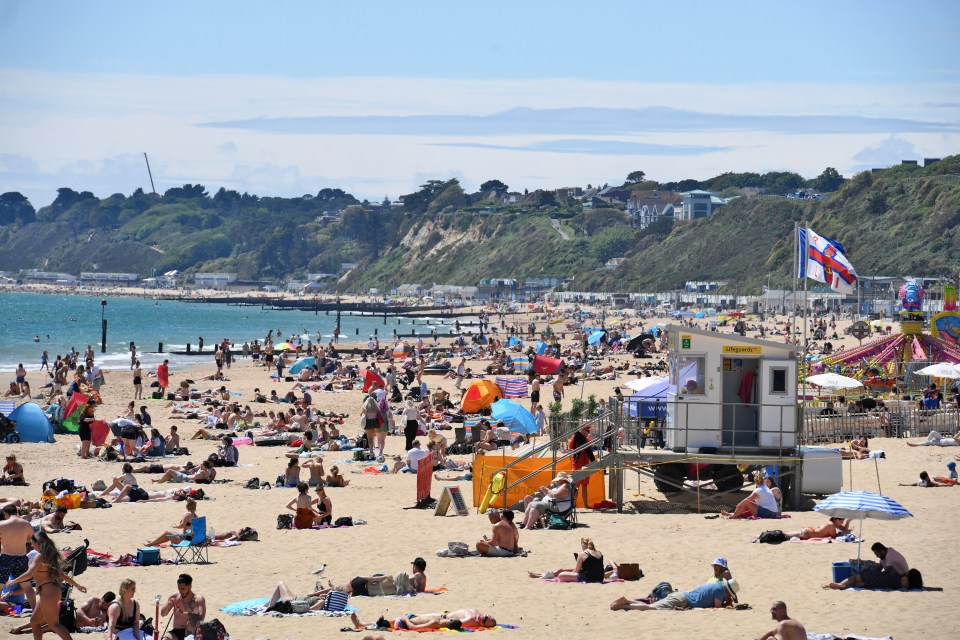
796	273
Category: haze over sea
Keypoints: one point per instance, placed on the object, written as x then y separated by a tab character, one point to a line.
74	321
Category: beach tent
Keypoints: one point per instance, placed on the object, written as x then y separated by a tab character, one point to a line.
480	395
636	341
71	413
514	341
514	417
33	425
370	378
541	347
595	337
546	366
298	366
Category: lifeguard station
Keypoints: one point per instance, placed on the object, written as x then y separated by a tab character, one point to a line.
730	404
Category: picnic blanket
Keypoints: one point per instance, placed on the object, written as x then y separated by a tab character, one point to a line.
258	607
901	589
846	538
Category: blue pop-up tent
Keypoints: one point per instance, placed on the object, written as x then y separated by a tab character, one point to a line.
33	425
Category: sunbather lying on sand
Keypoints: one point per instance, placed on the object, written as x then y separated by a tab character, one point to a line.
835	527
170	495
467	619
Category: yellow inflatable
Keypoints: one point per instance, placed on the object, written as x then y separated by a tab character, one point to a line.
496	486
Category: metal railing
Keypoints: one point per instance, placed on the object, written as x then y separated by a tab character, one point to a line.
650	419
604	424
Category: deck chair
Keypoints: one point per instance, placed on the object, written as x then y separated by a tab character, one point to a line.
196	548
570	514
461	435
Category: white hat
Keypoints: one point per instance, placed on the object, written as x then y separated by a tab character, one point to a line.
732	586
720	561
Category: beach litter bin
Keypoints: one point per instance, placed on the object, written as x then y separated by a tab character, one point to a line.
147	556
841	571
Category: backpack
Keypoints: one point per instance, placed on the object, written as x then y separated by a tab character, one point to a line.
774	536
212	630
555	521
59	485
68	615
661	591
362	455
285	521
248	534
343	521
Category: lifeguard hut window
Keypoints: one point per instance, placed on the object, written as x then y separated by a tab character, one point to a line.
689	374
778	381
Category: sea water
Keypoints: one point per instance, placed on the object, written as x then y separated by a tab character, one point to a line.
64	321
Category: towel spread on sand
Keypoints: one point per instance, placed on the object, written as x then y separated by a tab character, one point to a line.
605	581
258	607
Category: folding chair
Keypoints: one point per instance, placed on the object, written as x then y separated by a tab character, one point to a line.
196	547
461	435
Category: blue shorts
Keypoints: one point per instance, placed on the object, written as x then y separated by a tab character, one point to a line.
763	512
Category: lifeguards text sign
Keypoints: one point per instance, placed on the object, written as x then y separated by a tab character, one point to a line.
741	350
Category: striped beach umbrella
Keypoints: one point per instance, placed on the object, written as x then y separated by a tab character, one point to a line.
860	505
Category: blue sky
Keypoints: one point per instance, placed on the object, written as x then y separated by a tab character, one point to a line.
286	98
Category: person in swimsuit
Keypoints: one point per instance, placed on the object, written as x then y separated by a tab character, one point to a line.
189	609
835	527
184	525
324	506
291	475
46	569
302	506
84	431
123	615
137	381
589	566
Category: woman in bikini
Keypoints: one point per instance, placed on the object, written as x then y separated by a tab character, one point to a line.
123	615
184	526
302	506
836	527
46	569
324	506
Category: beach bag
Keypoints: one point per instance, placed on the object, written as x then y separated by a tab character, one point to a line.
362	455
285	521
156	395
68	615
59	485
629	571
661	591
212	630
252	483
248	534
343	521
458	549
299	606
774	536
556	521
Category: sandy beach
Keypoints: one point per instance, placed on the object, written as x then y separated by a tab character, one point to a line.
671	547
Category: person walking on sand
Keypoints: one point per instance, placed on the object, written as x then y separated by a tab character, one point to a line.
137	381
787	628
163	377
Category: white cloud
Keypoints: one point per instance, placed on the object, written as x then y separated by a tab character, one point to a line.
89	131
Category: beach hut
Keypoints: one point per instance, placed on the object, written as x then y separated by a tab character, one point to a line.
33	425
480	395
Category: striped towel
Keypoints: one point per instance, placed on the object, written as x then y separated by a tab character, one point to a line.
513	387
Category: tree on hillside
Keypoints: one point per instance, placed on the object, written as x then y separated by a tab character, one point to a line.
186	192
418	201
611	243
451	196
828	181
15	208
634	177
496	186
546	199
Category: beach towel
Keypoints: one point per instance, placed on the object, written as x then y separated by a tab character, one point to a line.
825	540
258	607
904	590
436	592
471	630
845	636
605	581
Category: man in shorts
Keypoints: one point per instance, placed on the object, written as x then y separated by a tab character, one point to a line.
189	609
712	595
15	534
504	540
